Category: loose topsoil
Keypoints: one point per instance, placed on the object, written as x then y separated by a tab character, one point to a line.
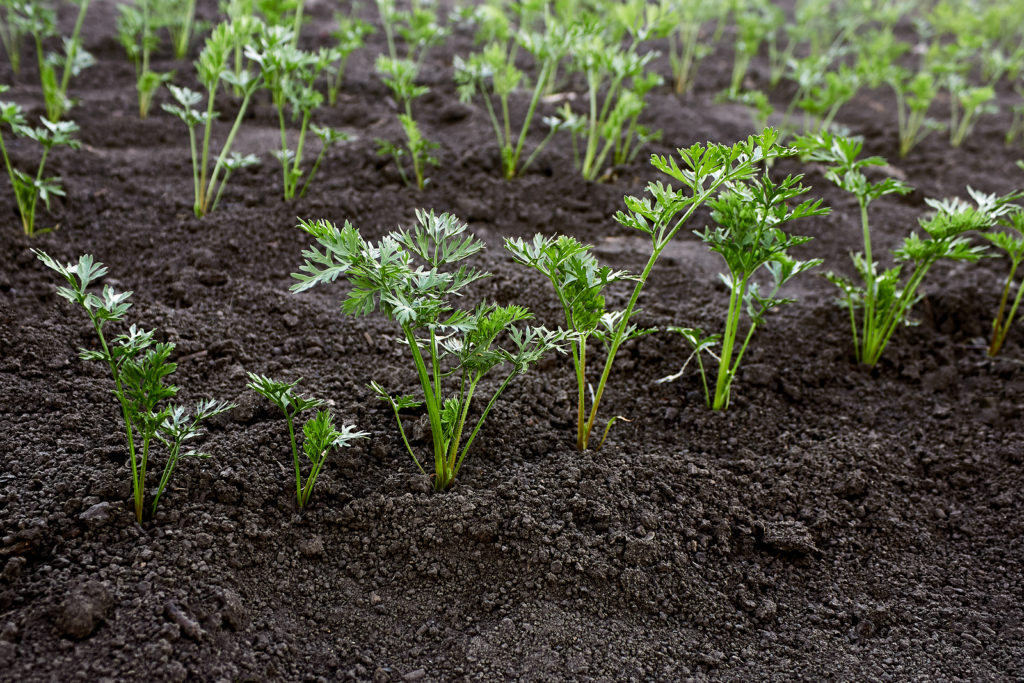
836	522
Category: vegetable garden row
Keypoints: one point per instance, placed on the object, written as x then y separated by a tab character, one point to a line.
413	276
959	53
558	87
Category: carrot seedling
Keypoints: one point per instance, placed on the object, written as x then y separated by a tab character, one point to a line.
29	189
399	75
350	35
412	276
617	85
578	280
139	366
1010	240
319	432
749	237
700	172
493	75
290	75
214	68
136	30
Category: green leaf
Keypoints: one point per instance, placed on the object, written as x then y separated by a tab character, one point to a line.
281	394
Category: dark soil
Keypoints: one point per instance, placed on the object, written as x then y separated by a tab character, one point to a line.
834	523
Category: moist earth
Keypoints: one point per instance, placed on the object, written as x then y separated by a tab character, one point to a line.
836	522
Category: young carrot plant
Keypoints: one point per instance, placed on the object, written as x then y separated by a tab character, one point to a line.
290	75
688	47
411	276
74	60
241	15
350	35
821	91
137	31
950	66
321	436
578	280
884	299
285	14
973	102
914	96
1010	240
616	88
13	30
418	27
139	367
213	67
492	74
700	172
29	189
179	18
749	237
399	75
826	94
846	171
757	22
1015	132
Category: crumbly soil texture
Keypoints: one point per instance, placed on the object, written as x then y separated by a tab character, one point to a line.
836	522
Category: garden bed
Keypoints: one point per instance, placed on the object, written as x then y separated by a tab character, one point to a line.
834	522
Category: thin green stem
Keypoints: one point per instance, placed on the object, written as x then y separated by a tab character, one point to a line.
33	202
405	440
145	35
314	472
435	364
279	104
200	206
479	423
289	418
502	143
297	23
704	380
579	359
505	117
181	49
389	31
73	48
227	144
293	180
26	227
220	189
172	460
728	341
316	167
40	55
336	82
97	325
538	89
870	283
537	150
901	119
195	160
430	397
591	150
853	327
453	447
998	322
1005	328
